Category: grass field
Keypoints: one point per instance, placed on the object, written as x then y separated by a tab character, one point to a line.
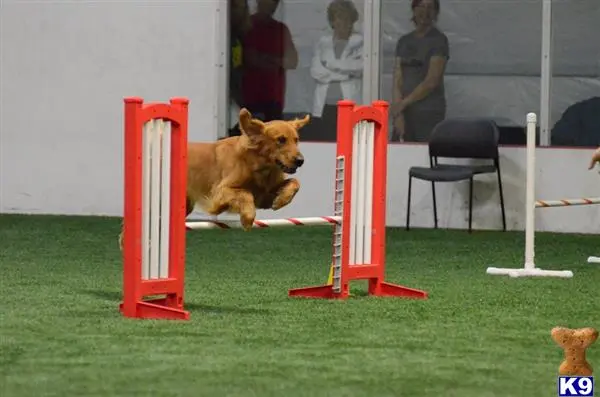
477	335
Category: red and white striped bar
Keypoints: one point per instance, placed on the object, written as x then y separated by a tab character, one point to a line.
567	202
284	222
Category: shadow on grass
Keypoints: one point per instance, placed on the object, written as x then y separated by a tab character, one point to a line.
115	296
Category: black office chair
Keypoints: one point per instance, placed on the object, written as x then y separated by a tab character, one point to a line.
459	138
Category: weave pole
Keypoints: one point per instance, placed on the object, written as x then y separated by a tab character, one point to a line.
360	200
529	269
154	209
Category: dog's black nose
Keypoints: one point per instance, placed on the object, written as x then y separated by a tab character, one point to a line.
299	161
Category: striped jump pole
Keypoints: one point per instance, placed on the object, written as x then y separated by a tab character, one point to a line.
154	209
567	202
360	202
529	269
308	221
570	203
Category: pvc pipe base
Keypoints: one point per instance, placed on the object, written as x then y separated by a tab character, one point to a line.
535	272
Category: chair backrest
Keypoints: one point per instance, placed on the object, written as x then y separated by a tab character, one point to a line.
465	138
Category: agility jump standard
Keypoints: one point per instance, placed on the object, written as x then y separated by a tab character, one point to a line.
154	224
531	204
154	208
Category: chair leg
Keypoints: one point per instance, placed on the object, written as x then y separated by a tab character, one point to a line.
470	203
501	199
408	203
435	217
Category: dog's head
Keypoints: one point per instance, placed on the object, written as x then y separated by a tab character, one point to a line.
276	142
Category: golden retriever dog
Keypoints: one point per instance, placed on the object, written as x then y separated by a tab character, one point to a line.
244	173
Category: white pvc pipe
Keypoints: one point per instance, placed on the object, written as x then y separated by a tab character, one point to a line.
529	269
594	259
530	193
146	153
354	194
368	207
165	196
155	199
360	224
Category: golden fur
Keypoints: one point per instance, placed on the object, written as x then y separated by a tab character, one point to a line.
244	173
595	159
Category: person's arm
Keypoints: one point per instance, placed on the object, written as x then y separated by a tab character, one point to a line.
398	116
290	57
352	64
319	72
435	74
397	81
290	54
254	58
431	81
595	158
288	61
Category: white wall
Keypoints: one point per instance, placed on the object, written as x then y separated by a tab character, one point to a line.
66	67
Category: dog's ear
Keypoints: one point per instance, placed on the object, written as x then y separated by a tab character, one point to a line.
249	125
299	123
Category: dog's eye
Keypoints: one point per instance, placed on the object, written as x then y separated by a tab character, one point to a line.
281	140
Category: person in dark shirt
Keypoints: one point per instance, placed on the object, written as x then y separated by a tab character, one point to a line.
418	97
269	52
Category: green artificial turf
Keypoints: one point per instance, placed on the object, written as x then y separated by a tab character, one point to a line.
476	335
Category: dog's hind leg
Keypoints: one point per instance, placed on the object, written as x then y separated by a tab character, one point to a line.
189	206
234	200
285	193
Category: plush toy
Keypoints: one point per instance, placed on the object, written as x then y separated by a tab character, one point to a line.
574	342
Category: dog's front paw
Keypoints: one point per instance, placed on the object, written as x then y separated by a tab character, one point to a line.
286	194
280	202
246	223
247	219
